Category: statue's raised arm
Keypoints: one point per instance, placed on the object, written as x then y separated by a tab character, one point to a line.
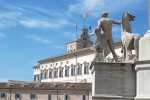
104	30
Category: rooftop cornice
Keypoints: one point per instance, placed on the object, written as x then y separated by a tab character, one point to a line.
48	86
72	54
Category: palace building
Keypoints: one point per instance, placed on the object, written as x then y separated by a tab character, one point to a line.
72	66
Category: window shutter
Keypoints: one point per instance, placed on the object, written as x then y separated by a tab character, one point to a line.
85	70
34	96
65	97
3	95
19	96
49	97
15	96
83	97
30	96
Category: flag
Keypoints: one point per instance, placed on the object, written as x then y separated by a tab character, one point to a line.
90	28
85	14
76	26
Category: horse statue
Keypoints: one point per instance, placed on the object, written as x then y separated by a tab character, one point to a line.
130	41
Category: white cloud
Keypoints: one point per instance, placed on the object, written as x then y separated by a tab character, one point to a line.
94	7
89	5
16	8
2	35
49	12
40	23
9	19
38	39
3	80
35	23
7	24
12	15
31	17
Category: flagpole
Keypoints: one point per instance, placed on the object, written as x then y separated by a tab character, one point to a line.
84	23
76	32
90	33
85	15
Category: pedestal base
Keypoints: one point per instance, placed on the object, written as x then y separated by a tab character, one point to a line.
143	80
143	69
142	98
144	47
113	81
110	97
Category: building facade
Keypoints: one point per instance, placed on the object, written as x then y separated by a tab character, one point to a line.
72	66
44	91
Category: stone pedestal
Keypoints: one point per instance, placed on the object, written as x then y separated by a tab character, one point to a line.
143	80
113	81
144	47
143	69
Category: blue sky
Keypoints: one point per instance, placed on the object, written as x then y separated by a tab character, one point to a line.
31	30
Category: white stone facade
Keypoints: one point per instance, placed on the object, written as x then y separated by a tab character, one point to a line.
69	67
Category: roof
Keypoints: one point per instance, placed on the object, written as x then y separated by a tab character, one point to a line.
36	66
69	54
78	52
46	86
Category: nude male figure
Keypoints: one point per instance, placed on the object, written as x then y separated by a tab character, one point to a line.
105	27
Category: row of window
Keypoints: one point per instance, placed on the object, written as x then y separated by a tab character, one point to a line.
18	96
56	64
34	96
59	73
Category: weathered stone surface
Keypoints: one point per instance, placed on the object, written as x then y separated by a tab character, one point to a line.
113	81
130	41
144	53
143	80
104	42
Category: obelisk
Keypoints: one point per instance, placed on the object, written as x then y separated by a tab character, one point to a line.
148	16
143	65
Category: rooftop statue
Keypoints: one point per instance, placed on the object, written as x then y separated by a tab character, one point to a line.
104	41
130	41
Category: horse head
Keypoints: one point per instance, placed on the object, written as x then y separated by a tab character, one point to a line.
131	17
126	18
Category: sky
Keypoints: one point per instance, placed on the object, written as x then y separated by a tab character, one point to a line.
31	30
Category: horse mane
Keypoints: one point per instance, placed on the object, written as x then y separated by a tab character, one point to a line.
122	21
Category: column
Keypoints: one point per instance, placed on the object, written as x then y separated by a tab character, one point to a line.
149	15
143	65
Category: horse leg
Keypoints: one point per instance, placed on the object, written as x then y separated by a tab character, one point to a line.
128	53
123	54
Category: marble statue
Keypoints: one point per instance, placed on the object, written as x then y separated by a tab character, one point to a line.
104	41
101	47
130	41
